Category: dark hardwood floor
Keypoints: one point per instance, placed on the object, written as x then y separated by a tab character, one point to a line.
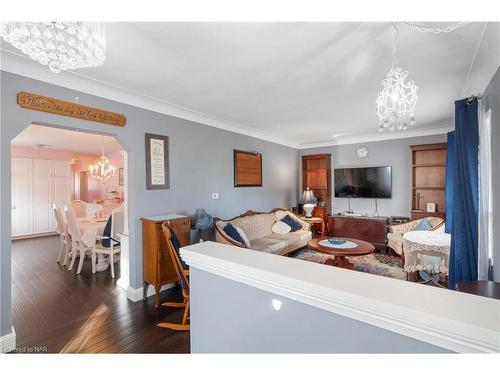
54	310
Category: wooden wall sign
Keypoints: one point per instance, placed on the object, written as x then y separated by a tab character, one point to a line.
61	107
247	168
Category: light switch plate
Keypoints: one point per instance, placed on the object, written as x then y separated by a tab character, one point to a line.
215	195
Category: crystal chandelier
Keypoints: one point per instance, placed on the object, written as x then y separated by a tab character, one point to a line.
396	102
103	170
60	45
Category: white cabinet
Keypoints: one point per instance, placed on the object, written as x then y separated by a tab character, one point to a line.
22	197
36	184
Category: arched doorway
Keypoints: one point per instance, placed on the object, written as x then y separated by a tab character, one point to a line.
49	165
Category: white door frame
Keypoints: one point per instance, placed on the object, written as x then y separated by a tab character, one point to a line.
124	280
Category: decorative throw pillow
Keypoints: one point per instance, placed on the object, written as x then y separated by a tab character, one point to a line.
294	224
423	225
231	231
280	227
243	236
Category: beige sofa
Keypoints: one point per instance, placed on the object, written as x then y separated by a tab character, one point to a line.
395	236
257	228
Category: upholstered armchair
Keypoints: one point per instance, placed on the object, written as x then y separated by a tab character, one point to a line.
395	236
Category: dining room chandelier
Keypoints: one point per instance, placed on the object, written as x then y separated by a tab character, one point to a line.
398	98
60	45
102	170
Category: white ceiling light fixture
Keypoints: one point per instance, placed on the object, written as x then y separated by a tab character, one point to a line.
103	170
397	100
60	45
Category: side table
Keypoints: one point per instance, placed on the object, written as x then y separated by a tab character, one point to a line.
314	221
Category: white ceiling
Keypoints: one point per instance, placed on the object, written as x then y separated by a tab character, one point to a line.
300	83
78	142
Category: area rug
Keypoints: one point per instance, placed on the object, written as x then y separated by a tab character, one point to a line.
375	263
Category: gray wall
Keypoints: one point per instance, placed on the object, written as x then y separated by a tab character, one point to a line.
395	153
491	98
231	317
201	162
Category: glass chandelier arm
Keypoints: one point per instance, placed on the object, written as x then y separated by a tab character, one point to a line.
435	30
396	34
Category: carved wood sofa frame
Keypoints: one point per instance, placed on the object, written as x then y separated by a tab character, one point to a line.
229	240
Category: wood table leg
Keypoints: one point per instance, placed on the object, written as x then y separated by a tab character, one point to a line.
157	290
340	261
145	291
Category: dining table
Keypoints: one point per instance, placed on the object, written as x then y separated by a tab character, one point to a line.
92	228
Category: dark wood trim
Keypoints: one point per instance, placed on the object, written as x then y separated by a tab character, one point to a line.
253	213
432	146
147	142
235	168
316	156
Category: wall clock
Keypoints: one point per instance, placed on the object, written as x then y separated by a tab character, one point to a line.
362	152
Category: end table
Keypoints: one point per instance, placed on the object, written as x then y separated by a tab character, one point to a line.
314	221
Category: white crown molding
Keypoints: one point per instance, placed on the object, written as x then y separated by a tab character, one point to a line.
366	138
463	323
8	342
14	63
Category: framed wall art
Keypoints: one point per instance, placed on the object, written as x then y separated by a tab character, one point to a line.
247	168
157	168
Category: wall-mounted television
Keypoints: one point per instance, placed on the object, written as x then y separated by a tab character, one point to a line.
372	182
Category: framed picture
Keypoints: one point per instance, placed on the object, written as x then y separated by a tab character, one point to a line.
120	177
247	168
431	207
157	168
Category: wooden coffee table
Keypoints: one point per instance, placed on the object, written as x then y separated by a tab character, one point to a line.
362	248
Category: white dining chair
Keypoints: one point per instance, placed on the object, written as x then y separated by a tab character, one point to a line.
64	237
79	208
78	247
108	244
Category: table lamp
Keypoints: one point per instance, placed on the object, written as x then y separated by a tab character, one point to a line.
309	201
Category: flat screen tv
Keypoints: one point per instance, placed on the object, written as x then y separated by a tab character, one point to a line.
373	182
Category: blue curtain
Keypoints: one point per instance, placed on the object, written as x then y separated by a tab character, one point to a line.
464	230
450	180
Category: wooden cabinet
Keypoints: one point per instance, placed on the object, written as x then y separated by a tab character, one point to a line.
369	229
428	176
157	266
316	175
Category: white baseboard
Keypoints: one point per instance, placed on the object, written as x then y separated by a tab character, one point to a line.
136	294
8	342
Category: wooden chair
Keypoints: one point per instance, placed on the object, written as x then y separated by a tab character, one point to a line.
79	208
64	237
182	272
78	247
108	243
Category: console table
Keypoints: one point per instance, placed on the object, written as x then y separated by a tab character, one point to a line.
369	229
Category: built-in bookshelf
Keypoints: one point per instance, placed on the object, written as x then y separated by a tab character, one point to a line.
316	175
428	179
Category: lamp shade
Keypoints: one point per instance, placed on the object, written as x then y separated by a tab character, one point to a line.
308	197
